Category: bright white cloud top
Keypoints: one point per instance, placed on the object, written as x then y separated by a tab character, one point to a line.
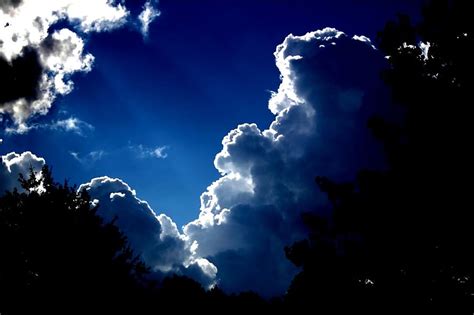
14	164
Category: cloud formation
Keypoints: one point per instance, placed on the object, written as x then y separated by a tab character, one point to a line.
155	237
38	60
329	88
149	13
14	164
71	124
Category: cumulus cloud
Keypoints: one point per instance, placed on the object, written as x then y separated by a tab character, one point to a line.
329	88
155	237
27	22
149	13
37	60
14	164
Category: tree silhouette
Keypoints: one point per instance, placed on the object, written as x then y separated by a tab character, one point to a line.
401	240
57	254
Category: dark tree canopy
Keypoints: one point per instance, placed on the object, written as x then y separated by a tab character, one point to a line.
57	254
401	240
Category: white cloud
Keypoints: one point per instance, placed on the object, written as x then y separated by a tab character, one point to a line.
29	22
286	95
27	41
96	15
329	87
363	39
148	15
14	164
62	55
160	153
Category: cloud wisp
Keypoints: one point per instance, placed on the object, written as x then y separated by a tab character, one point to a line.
149	13
142	152
70	124
89	158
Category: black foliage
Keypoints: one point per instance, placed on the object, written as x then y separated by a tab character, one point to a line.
184	294
58	256
401	241
20	78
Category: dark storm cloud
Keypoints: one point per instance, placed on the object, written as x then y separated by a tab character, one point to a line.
34	78
6	5
20	78
260	265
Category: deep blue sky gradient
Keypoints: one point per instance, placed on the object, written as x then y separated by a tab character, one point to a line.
205	67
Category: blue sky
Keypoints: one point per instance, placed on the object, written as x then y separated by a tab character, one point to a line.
205	67
186	112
